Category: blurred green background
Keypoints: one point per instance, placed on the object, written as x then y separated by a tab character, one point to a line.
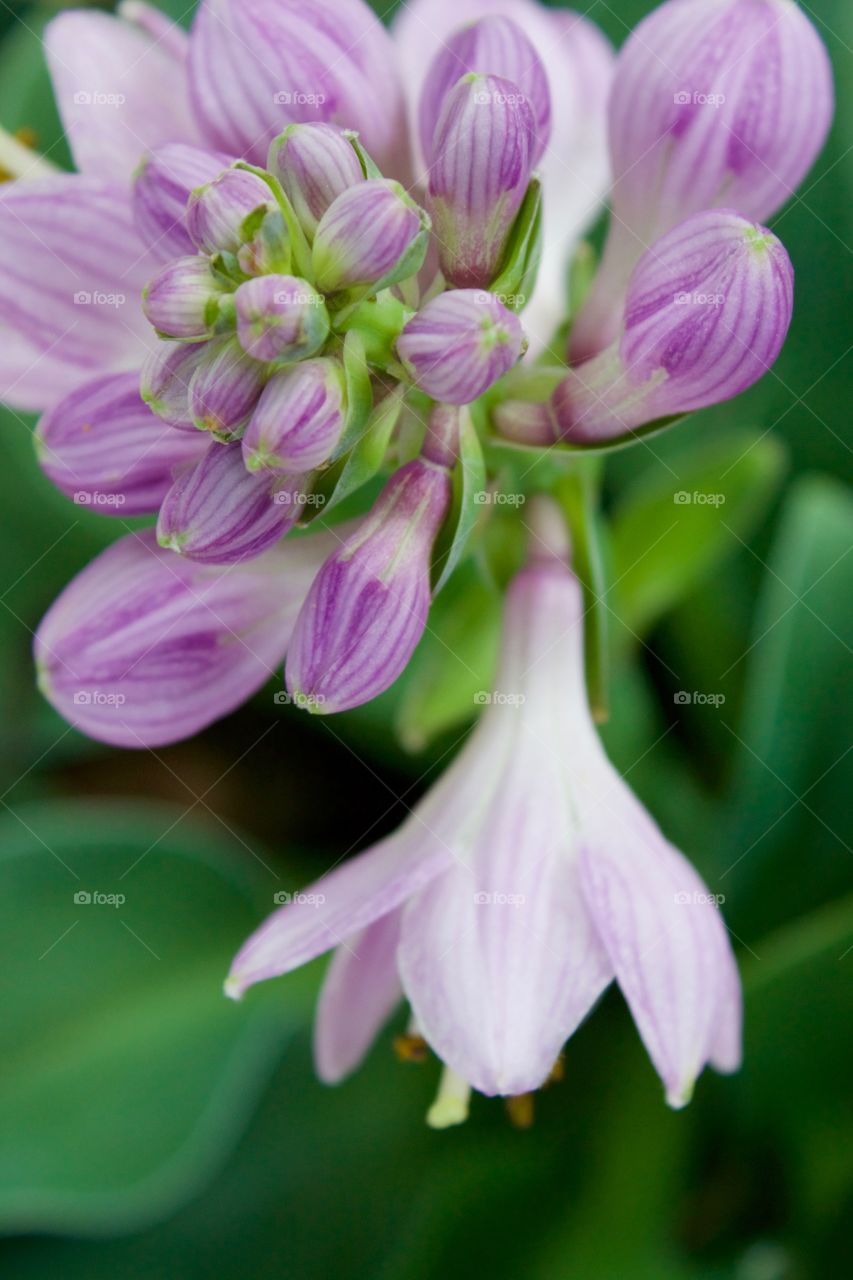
152	1129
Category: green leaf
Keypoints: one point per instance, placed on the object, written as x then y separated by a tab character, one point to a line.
26	94
674	526
787	846
454	663
365	458
126	1074
517	278
469	486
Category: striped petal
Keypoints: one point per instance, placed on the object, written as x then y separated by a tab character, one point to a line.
103	447
360	992
145	648
71	275
121	90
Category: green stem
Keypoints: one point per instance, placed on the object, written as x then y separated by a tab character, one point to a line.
579	494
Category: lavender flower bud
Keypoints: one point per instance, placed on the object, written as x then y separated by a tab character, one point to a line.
182	301
715	103
165	381
497	46
280	318
458	345
216	213
372	232
217	513
707	312
483	150
162	186
314	164
299	420
225	389
368	606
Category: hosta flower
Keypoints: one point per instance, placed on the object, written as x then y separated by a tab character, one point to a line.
706	314
715	103
525	881
315	164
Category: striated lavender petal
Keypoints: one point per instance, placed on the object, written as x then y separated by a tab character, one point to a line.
280	318
219	513
161	188
105	449
299	418
314	164
496	46
459	344
145	647
368	606
258	65
483	151
225	389
372	231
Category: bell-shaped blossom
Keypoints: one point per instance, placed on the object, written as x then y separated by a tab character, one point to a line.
183	299
103	447
162	187
495	46
707	311
280	318
482	158
524	881
299	418
224	389
368	606
459	344
715	103
217	512
145	648
314	164
217	212
374	232
258	65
